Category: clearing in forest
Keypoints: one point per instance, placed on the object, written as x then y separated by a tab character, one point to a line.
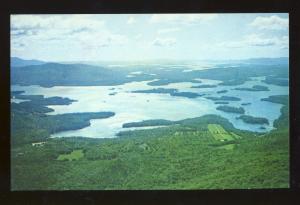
219	133
75	155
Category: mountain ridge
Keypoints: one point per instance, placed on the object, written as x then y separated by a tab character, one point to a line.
20	62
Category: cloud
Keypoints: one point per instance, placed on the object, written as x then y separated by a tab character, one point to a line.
59	23
257	41
283	42
62	30
186	19
167	30
47	27
164	42
22	32
271	23
131	20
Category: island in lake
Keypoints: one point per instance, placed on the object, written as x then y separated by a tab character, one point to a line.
172	92
221	102
253	120
204	86
255	88
222	91
224	98
231	109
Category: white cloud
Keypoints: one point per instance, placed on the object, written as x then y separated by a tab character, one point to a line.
55	22
164	42
75	30
272	23
283	42
131	20
182	18
45	27
257	40
167	30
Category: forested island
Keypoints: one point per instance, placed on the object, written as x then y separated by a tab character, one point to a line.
222	91
204	86
281	99
254	88
277	80
37	103
245	104
224	98
231	109
31	118
157	90
171	91
253	120
221	102
145	123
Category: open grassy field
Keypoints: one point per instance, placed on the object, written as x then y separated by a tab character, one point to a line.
219	133
75	155
226	140
227	147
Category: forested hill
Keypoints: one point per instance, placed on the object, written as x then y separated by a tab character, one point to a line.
56	74
18	62
51	74
270	61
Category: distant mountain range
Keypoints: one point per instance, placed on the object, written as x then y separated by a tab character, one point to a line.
19	62
57	74
265	61
282	60
51	74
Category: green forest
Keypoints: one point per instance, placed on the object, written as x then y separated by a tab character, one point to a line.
198	153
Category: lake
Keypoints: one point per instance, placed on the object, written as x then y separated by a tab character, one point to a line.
132	107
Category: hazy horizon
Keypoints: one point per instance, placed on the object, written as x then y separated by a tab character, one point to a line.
149	60
147	37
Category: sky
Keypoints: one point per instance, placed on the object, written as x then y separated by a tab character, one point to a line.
139	37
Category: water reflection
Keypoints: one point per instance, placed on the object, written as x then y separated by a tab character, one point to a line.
131	107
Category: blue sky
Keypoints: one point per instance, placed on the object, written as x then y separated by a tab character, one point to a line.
138	37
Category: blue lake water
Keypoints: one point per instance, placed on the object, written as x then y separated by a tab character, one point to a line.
131	107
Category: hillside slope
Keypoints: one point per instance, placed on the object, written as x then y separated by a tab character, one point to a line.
200	153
